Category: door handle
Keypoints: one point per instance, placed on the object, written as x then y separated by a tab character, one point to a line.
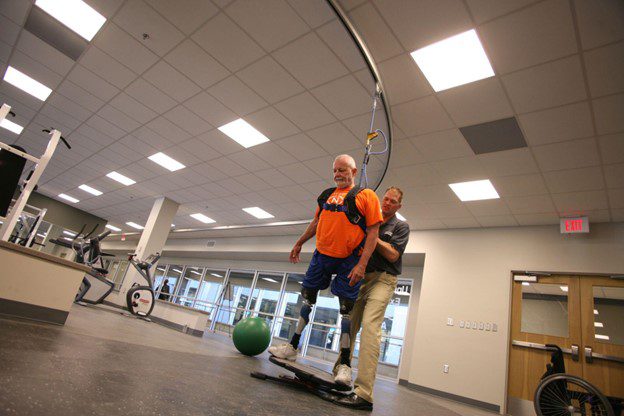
588	355
574	349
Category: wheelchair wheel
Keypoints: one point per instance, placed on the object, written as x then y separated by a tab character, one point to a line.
565	395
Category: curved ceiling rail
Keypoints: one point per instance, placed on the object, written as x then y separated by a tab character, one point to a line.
368	58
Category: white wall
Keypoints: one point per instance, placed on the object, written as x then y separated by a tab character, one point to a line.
467	275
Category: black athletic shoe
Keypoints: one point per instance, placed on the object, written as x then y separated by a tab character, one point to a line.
354	402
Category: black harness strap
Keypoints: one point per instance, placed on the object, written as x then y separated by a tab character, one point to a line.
349	206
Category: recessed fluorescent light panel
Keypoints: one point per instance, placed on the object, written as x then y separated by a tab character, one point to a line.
474	190
121	178
135	225
268	279
243	133
455	61
92	191
9	125
258	212
27	84
166	161
75	14
68	198
112	227
202	218
400	217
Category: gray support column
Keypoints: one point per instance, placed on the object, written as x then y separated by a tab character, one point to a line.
152	239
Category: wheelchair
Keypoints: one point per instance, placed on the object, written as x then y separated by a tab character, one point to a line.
560	394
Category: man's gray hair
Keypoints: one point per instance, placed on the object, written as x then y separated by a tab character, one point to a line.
348	159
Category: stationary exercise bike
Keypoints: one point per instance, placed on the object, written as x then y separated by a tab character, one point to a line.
140	299
95	287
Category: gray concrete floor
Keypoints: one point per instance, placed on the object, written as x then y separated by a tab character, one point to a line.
103	363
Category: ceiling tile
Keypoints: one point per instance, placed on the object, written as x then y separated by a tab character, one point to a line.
421	116
210	109
537	219
106	67
442	145
572	180
599	22
334	138
138	18
137	145
608	113
196	64
405	153
305	111
104	127
310	61
275	178
16	10
237	96
339	40
187	120
477	102
121	46
271	23
344	97
488	207
186	158
616	198
612	148
168	130
418	24
575	203
461	169
87	80
302	147
226	42
605	69
273	154
533	204
531	36
416	175
567	155
68	106
118	118
557	124
9	31
152	138
509	162
548	85
42	52
614	175
272	124
186	15
617	215
270	80
379	37
198	147
227	166
132	108
220	142
167	79
35	69
79	96
149	95
430	194
403	80
448	210
484	10
598	216
314	12
250	161
299	173
253	182
498	221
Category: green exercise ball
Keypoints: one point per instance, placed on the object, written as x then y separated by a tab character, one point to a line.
251	336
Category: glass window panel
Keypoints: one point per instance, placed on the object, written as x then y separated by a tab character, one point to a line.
608	313
235	298
158	276
390	350
267	293
187	288
327	311
174	273
545	309
209	290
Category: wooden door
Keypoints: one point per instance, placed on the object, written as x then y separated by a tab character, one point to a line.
602	320
543	312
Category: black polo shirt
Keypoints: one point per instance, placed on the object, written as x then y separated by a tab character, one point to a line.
396	233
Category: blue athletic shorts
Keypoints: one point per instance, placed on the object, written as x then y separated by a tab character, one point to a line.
321	269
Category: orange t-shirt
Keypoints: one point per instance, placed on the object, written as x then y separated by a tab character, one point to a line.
335	235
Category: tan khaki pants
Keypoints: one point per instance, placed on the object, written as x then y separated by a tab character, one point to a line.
368	314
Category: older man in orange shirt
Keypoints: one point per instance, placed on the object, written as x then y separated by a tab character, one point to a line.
346	225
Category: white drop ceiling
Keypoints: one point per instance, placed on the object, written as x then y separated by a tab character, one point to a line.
291	70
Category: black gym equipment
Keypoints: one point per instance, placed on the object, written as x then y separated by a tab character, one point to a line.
308	378
140	299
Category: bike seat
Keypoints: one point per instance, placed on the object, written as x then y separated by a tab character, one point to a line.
100	270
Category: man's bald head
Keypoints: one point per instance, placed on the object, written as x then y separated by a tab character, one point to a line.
344	171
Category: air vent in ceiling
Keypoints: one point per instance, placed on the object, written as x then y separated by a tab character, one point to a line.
211	243
494	136
51	31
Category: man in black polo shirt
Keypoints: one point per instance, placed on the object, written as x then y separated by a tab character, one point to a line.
375	293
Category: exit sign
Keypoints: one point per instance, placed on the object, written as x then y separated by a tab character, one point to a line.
574	225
